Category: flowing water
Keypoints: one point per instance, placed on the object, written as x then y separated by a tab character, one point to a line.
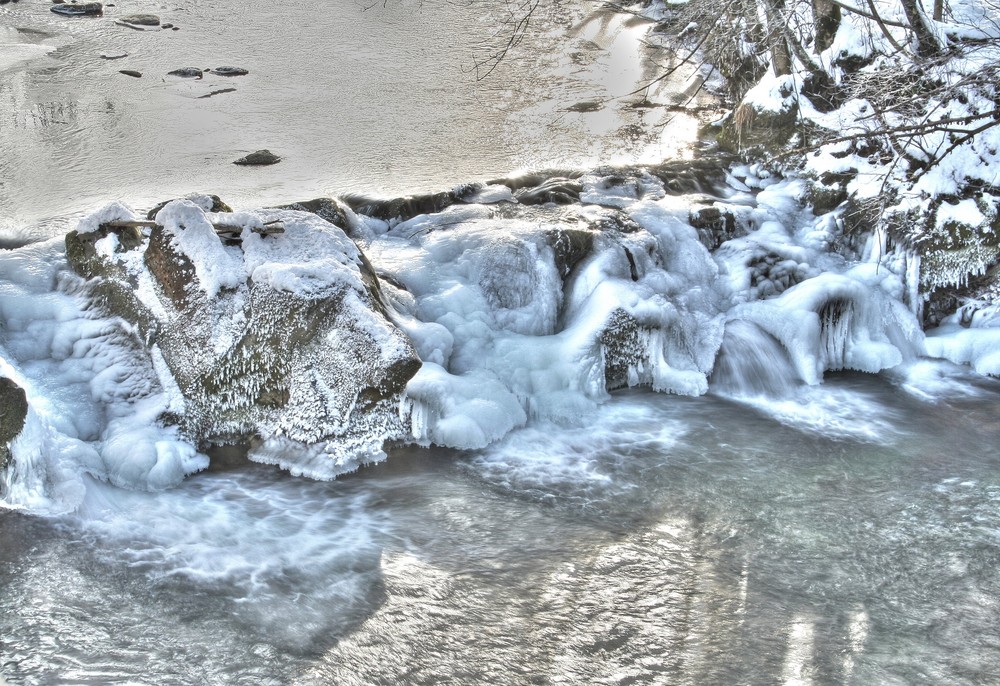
677	541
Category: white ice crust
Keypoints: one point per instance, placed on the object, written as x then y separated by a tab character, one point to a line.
506	338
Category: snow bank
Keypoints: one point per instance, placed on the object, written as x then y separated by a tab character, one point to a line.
970	336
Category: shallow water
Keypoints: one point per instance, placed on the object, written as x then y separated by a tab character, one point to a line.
380	98
679	540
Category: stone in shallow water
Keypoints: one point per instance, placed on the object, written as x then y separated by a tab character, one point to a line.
82	9
230	71
259	158
141	19
187	73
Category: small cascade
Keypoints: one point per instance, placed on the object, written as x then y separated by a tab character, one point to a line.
752	362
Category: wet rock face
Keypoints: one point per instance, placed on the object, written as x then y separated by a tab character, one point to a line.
13	412
298	355
83	9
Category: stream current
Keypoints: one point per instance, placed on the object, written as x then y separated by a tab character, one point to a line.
850	539
764	533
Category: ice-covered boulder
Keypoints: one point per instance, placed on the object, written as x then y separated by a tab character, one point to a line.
264	327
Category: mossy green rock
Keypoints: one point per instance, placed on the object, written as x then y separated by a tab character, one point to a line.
13	412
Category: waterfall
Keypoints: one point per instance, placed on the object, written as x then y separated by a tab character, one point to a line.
752	362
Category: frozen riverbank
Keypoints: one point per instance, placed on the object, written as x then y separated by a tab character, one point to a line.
445	321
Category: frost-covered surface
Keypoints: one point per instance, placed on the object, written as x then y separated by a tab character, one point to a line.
94	404
510	333
915	149
970	336
490	316
178	340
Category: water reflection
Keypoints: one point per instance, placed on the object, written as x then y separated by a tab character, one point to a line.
355	99
687	541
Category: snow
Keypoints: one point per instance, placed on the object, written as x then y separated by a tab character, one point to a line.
963	212
309	260
115	211
190	231
978	347
513	331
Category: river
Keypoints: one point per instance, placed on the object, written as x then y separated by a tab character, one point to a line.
378	98
767	532
676	541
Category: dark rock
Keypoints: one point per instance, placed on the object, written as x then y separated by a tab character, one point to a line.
558	190
259	158
683	177
830	191
714	225
13	412
172	270
230	71
141	19
131	72
329	209
187	73
570	247
624	348
83	9
111	287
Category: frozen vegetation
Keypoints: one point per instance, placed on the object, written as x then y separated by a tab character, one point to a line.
889	111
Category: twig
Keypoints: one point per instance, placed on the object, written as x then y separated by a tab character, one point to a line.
269	228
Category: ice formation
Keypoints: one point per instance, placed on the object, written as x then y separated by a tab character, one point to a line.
452	327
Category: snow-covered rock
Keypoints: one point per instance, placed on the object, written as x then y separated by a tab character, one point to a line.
278	339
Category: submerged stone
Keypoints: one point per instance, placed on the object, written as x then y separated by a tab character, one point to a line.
230	71
82	9
13	412
141	19
187	73
259	158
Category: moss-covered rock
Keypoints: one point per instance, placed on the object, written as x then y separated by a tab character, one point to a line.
13	412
